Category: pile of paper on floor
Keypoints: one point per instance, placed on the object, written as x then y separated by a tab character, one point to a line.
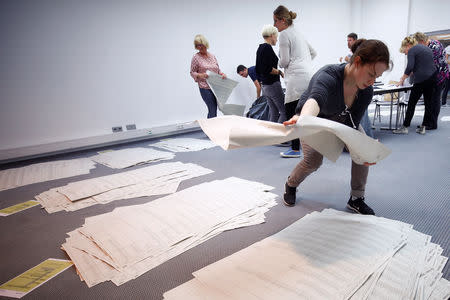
327	255
152	180
184	144
16	177
129	241
124	158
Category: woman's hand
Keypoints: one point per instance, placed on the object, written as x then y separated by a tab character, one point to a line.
223	76
202	75
291	121
281	74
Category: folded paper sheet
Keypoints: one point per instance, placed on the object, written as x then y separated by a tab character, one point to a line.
222	89
129	241
125	158
325	136
184	144
152	180
12	178
328	255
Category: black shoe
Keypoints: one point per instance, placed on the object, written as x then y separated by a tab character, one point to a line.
289	195
359	206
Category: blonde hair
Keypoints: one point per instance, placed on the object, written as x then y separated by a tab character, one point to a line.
281	12
200	40
269	30
408	41
420	37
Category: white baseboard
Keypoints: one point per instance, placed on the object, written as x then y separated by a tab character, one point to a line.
35	151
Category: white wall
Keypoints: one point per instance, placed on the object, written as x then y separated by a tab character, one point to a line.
429	15
73	69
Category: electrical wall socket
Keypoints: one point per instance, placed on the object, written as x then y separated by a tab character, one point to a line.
117	129
131	127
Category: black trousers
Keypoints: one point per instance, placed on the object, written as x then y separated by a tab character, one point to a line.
428	89
445	87
290	112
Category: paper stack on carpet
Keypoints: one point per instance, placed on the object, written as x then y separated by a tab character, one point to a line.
184	144
153	180
327	255
129	241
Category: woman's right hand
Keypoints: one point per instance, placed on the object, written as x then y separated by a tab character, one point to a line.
291	121
203	75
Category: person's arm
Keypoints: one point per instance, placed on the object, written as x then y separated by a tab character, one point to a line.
218	68
310	108
258	88
284	51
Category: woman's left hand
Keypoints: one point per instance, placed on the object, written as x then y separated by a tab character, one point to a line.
223	76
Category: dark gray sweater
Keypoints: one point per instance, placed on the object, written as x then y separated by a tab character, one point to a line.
327	88
420	62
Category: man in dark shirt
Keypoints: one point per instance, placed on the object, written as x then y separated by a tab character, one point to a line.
244	72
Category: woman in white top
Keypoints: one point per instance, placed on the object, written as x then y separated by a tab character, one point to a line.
296	58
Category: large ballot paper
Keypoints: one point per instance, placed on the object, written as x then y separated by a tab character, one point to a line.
222	89
325	136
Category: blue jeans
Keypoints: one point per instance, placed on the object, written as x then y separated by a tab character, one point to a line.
211	102
365	123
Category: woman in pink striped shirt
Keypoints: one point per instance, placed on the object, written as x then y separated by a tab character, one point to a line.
201	62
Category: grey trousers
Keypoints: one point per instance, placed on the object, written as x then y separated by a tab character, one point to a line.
312	160
275	95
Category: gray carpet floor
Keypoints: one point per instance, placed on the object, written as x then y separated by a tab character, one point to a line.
411	185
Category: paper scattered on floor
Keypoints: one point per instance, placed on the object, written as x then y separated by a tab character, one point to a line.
325	136
12	178
445	119
125	158
327	255
222	89
33	278
129	241
184	144
18	207
159	179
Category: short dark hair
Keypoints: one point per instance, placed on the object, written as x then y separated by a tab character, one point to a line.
353	35
240	68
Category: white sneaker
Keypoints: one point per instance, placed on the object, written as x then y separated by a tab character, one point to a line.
421	130
402	130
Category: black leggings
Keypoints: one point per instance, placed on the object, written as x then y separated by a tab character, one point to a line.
428	88
290	112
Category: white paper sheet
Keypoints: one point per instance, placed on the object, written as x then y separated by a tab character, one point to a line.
152	180
12	178
184	144
125	158
325	136
222	89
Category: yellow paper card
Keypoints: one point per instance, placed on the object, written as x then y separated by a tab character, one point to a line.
18	207
31	279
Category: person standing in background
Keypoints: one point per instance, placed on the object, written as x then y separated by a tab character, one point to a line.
447	82
244	72
441	77
266	67
296	56
351	38
420	62
201	62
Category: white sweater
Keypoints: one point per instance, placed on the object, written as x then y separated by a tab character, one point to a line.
296	55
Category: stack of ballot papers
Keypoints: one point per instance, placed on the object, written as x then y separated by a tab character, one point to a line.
184	144
327	255
124	158
147	181
129	241
12	178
